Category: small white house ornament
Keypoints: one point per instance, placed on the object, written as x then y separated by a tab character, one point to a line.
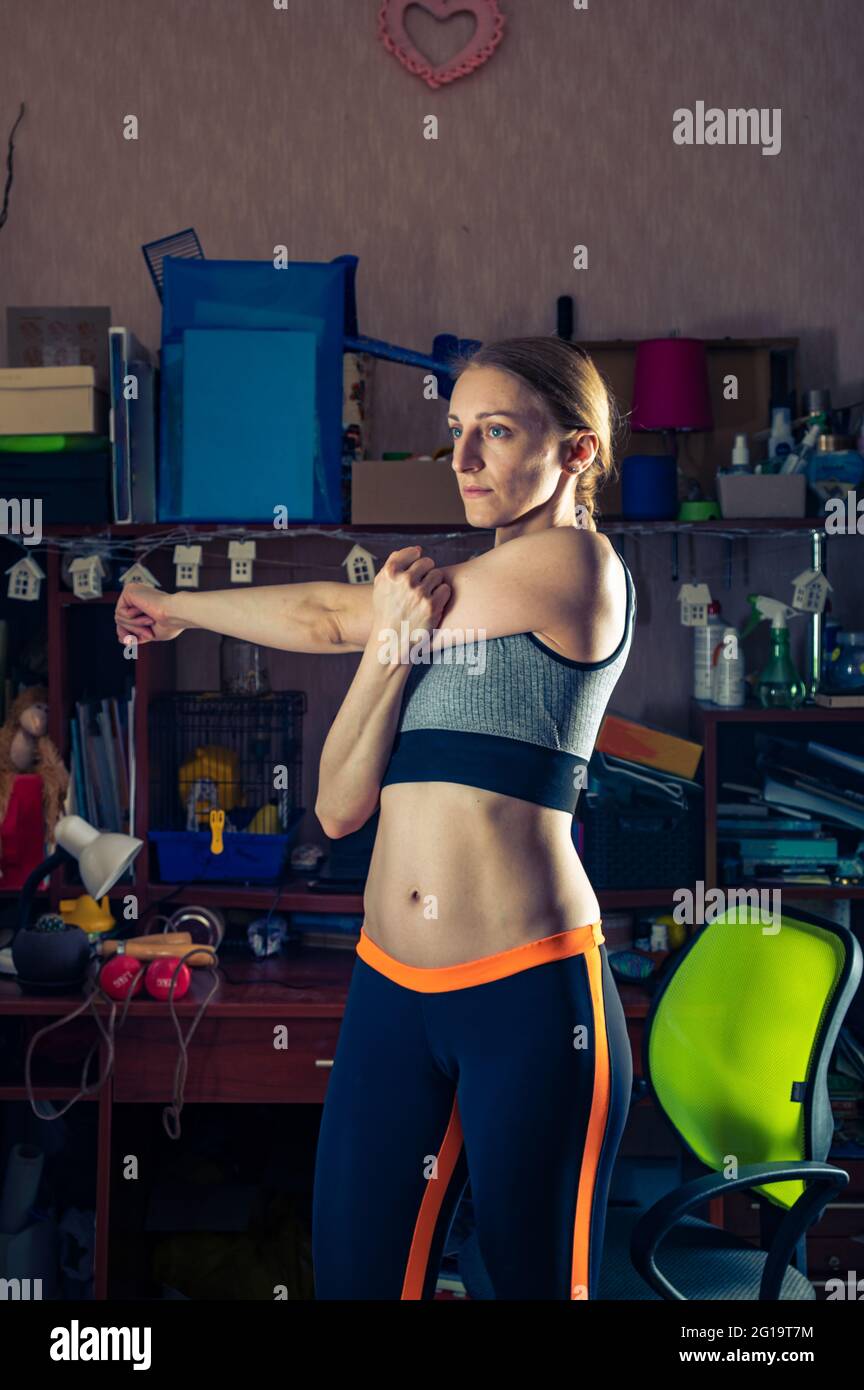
25	579
360	564
241	554
810	591
694	600
139	574
87	573
187	563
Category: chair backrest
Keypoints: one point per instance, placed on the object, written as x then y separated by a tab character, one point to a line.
740	1034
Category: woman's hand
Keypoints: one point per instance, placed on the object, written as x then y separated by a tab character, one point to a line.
142	612
408	588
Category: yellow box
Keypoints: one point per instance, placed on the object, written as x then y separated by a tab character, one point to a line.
623	738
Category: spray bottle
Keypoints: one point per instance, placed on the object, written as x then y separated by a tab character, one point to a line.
797	462
781	443
779	685
705	639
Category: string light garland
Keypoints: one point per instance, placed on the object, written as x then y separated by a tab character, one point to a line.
111	546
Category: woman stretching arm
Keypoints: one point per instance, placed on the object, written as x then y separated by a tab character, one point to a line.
406	590
321	616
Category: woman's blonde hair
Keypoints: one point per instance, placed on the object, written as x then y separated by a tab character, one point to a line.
567	383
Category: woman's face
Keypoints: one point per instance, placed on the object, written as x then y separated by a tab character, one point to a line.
507	457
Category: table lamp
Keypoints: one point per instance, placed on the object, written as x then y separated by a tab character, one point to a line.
671	393
52	960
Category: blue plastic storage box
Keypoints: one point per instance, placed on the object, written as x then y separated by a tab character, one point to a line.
185	855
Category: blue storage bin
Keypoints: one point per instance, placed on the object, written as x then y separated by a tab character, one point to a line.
185	855
252	380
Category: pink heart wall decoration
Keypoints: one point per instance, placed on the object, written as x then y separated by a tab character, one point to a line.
478	50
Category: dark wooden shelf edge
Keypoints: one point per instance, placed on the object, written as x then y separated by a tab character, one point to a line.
755	714
293	897
43	1093
831	892
634	897
299	899
296	898
718	525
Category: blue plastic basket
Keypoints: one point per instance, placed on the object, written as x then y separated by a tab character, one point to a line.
185	855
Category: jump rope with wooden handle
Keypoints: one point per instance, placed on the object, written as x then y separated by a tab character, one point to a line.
150	947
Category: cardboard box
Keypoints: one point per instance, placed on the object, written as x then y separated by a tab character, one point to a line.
52	400
396	491
762	494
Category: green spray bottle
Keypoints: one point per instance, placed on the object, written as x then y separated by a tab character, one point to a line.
779	685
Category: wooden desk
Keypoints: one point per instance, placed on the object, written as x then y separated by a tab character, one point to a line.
232	1057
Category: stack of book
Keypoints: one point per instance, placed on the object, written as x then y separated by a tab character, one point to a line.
789	829
100	782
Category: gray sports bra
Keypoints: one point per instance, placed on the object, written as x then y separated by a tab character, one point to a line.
508	715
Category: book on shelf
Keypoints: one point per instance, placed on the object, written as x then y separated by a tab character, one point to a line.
785	849
818	764
132	420
838	757
839	701
754	873
829	804
818	880
98	731
783	864
768	824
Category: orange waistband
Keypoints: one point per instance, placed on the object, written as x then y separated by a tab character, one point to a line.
434	979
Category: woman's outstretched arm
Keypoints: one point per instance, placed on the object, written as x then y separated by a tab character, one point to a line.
320	616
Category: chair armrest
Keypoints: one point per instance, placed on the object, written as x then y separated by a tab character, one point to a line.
659	1219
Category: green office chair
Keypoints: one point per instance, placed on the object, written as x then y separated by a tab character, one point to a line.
735	1053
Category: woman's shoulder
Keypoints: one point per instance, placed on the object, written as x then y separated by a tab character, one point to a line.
591	630
596	564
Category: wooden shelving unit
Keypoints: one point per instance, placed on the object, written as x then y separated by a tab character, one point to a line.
707	720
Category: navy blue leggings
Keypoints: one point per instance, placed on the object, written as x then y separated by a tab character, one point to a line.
514	1069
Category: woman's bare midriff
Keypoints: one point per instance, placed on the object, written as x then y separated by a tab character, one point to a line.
458	872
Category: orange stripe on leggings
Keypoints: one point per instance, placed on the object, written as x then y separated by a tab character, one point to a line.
594	1138
484	969
430	1208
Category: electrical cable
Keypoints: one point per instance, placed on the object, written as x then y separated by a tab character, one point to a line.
182	1067
171	1113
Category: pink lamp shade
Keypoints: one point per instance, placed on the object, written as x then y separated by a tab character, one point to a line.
670	386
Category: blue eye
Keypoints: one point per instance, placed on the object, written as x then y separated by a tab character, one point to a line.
456	430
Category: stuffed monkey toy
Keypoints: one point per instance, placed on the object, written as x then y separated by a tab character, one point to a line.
26	747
